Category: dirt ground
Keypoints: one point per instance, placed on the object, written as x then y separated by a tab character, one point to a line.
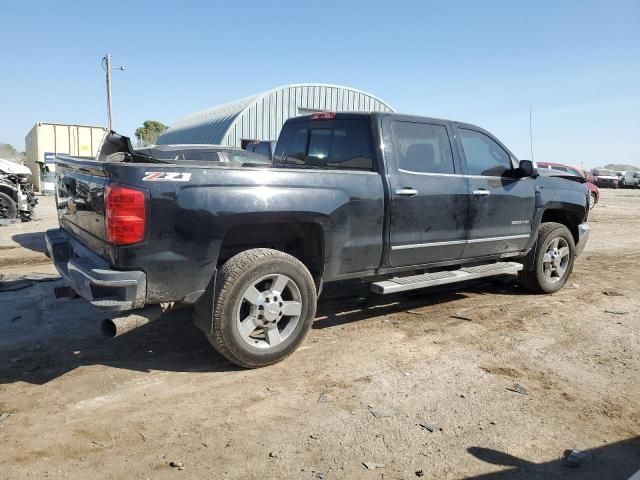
76	405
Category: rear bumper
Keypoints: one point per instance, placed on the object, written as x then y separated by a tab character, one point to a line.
583	236
91	277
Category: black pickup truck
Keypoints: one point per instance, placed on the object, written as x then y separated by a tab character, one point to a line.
404	202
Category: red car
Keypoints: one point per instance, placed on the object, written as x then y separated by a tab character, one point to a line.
594	193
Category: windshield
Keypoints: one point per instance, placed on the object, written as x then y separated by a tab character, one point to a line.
603	173
575	171
209	155
245	158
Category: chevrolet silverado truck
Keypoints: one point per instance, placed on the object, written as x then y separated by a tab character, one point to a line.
403	202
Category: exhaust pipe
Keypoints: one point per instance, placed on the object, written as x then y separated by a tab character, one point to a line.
114	327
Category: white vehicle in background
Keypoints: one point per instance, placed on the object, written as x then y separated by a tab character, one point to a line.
630	180
17	199
604	178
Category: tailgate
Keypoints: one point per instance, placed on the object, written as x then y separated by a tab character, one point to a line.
80	185
80	191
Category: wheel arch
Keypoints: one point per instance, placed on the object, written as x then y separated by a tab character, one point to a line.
9	189
557	212
569	218
304	240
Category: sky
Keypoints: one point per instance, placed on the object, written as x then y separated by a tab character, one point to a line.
576	63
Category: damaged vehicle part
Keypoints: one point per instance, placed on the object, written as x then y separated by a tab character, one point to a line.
17	198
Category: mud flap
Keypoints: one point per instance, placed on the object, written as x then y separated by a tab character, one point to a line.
529	259
203	309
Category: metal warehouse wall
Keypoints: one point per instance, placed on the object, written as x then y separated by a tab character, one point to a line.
261	117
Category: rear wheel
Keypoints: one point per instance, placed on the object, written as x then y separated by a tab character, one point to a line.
265	304
8	208
553	260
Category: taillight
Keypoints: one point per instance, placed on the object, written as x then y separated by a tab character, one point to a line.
323	116
125	214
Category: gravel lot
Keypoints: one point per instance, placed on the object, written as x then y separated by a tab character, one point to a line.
80	406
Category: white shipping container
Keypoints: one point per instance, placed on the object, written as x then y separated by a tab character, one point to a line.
46	140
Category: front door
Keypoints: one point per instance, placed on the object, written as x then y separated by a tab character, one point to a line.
501	205
429	196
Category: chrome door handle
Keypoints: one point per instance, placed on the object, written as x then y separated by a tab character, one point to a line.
481	193
407	192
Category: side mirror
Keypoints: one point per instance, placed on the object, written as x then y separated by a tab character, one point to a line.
526	169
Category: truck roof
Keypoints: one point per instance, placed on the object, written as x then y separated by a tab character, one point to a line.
356	115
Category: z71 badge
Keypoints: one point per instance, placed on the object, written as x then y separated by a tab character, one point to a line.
166	177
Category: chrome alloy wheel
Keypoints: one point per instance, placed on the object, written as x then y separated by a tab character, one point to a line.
556	260
269	311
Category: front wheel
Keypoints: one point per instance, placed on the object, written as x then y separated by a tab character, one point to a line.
8	208
264	307
592	200
553	260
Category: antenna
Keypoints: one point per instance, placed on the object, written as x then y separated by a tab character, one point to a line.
531	131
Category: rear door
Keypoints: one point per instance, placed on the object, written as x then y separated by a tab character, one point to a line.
429	201
501	205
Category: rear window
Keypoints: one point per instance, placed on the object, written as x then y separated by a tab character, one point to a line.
199	154
262	149
337	144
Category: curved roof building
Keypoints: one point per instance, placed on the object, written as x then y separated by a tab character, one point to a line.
261	116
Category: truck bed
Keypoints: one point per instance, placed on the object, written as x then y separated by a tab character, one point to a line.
192	207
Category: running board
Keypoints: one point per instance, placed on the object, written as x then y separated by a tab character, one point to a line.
401	284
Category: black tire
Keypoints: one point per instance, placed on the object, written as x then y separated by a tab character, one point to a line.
535	279
592	201
234	278
8	208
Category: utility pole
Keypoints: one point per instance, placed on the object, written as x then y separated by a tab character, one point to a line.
106	65
531	131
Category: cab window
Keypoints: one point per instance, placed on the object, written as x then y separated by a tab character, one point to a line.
484	155
338	144
422	147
